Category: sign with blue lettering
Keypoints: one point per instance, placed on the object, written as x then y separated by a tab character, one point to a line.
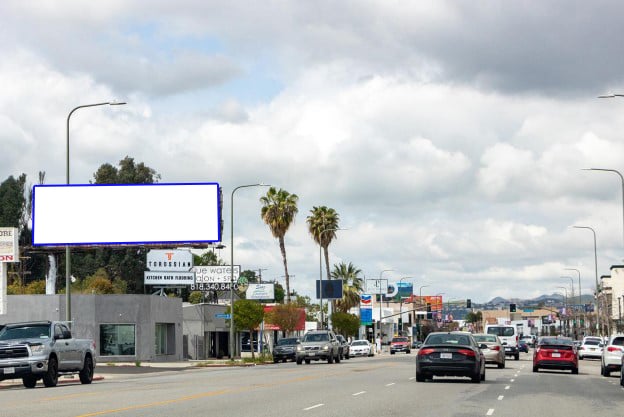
223	316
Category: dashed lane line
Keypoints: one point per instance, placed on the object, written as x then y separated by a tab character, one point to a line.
490	412
313	407
511	380
359	393
500	397
508	386
390	384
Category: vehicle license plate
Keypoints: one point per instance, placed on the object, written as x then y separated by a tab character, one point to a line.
10	370
556	355
446	356
507	349
311	354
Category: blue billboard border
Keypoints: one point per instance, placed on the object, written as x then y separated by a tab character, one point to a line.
218	199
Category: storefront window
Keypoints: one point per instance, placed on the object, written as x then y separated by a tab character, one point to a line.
165	339
117	340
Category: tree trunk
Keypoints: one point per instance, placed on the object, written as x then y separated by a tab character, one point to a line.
251	346
283	249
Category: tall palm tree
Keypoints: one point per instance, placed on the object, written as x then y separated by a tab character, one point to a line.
279	208
322	224
349	274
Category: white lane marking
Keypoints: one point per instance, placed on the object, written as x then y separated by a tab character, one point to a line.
490	412
392	383
507	387
511	380
500	397
412	378
314	406
359	393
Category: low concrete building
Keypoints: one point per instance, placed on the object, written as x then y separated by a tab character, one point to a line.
124	327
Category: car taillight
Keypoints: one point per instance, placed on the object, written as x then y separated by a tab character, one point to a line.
495	348
614	349
466	352
423	352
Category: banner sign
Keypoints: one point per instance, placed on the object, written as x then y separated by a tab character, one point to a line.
260	292
377	286
109	214
9	248
398	291
434	300
215	273
168	278
173	260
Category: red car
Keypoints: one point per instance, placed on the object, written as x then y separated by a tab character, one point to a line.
555	353
399	344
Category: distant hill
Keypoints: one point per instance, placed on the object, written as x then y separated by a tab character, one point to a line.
542	299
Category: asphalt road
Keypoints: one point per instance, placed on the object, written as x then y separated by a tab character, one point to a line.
379	386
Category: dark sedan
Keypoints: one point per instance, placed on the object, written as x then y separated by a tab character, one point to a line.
285	349
450	354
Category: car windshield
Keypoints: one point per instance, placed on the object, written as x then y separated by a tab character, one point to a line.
618	341
316	337
592	342
501	331
41	331
359	343
485	338
448	339
287	341
399	339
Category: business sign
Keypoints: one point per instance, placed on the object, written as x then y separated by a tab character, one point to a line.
172	260
168	278
377	286
216	273
108	214
434	300
331	289
9	248
260	292
398	291
366	309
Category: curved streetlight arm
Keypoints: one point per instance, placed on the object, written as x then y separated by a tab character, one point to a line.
232	262
621	178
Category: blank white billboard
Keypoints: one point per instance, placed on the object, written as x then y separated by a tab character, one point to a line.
98	214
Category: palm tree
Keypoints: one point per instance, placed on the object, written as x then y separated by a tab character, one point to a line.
279	209
350	293
322	224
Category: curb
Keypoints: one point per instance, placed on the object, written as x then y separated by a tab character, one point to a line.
18	383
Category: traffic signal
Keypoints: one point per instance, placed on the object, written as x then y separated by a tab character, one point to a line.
429	314
512	308
400	324
468	303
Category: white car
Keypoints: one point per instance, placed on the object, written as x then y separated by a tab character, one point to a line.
591	347
361	348
612	355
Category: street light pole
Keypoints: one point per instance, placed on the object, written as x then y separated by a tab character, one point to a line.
232	263
420	301
67	248
571	297
401	303
380	302
565	307
321	270
622	180
596	270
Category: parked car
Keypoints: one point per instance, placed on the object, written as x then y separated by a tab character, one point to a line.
399	344
416	344
344	347
530	339
612	355
555	353
523	346
494	351
319	345
285	349
508	336
44	350
361	348
591	347
450	354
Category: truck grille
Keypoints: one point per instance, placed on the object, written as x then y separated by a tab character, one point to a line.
13	352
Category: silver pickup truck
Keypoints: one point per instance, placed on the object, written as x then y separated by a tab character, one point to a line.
44	350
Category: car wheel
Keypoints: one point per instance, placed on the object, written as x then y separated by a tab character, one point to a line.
621	378
50	379
86	373
29	381
501	365
420	377
299	361
348	357
392	352
337	359
580	358
330	358
408	352
307	361
575	371
517	357
476	378
275	360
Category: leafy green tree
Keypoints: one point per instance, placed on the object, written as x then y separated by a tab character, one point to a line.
312	309
195	297
248	314
352	285
285	316
345	323
35	287
12	201
279	208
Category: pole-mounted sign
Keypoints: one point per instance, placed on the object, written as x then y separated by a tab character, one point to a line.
9	252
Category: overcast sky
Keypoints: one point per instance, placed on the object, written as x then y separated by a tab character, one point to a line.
449	136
